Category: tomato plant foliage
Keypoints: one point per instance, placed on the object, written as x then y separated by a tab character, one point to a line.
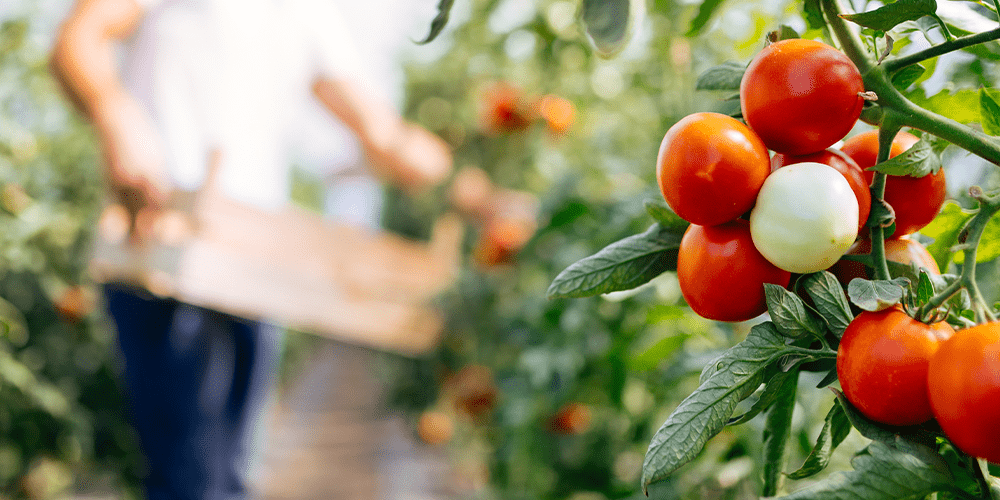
806	320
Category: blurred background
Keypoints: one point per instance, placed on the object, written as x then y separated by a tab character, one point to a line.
521	396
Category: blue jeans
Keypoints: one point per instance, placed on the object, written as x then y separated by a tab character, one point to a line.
198	383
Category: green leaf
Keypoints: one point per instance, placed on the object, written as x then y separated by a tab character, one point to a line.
608	24
831	377
651	357
772	391
726	76
925	288
944	229
989	243
439	21
813	13
790	314
705	11
785	32
830	300
836	427
622	265
777	428
905	77
658	209
869	429
876	295
729	379
888	16
883	472
989	111
961	106
921	159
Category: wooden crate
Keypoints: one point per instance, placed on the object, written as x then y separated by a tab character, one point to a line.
290	267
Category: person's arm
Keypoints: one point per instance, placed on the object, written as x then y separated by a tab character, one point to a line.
83	61
403	153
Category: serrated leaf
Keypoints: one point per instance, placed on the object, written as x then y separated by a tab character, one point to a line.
876	295
439	21
622	265
658	210
729	379
726	76
830	300
813	13
944	229
836	427
883	472
790	314
705	11
905	77
921	159
989	111
607	24
888	16
925	288
777	428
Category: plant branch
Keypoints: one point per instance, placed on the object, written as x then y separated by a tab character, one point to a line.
973	231
893	65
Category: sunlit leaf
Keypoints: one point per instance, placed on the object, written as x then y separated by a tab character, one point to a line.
658	209
989	110
876	295
888	16
622	265
921	159
944	229
961	106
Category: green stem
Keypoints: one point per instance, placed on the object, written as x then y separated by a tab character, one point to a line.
944	27
877	80
988	206
887	132
893	65
977	473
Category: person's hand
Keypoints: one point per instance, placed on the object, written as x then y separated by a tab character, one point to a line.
133	160
417	159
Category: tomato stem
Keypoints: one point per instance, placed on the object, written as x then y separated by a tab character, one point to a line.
895	64
988	206
886	134
877	79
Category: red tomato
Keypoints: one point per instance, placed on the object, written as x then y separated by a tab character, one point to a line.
710	168
843	164
721	273
882	365
964	386
916	200
505	109
902	250
801	96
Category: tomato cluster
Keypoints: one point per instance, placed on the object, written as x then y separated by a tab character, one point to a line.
757	218
898	371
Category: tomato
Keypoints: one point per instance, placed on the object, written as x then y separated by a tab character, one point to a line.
435	427
843	164
964	387
722	275
806	217
901	250
882	364
505	109
710	167
558	112
572	418
801	96
916	200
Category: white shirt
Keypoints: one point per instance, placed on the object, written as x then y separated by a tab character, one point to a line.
228	76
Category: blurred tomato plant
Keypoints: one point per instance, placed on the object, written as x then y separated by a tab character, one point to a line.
61	416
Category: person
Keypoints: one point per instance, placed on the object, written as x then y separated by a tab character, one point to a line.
207	86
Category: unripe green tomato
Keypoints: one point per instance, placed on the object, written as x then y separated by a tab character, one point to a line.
806	217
